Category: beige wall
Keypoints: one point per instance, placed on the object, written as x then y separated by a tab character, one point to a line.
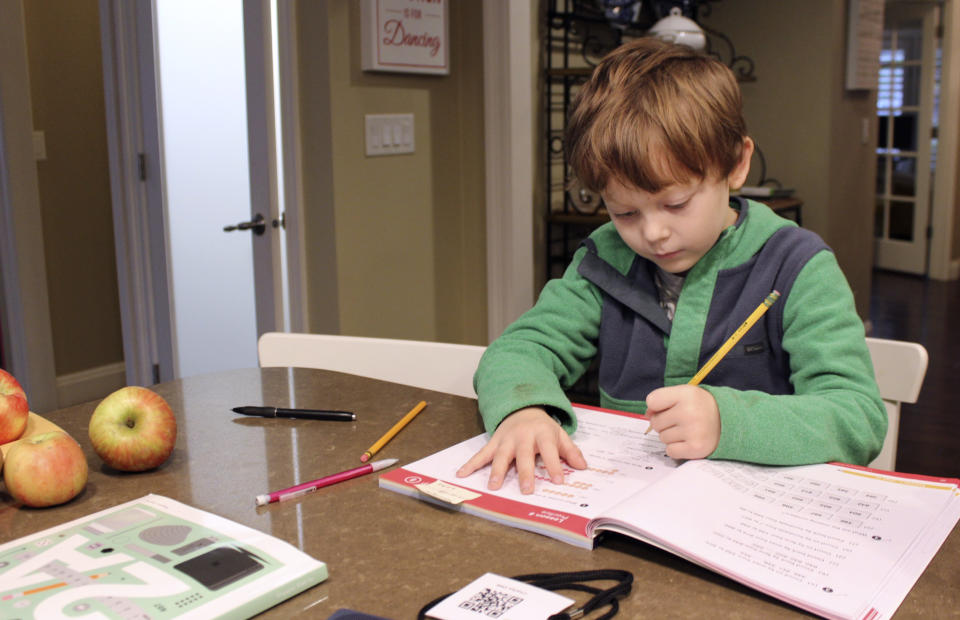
409	229
66	84
807	124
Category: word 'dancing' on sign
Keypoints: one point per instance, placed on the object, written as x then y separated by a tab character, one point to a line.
408	36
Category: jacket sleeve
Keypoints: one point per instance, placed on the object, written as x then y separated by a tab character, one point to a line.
835	412
543	352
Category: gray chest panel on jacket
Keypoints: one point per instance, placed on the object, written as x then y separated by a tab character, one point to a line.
633	326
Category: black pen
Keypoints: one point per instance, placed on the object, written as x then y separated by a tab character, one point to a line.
307	414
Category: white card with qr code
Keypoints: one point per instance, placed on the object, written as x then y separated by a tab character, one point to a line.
493	596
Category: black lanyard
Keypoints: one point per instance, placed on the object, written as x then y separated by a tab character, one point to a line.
574	581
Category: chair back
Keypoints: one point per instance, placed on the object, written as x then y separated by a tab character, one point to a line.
437	366
899	368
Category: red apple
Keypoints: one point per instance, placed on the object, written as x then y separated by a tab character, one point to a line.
13	408
45	469
133	429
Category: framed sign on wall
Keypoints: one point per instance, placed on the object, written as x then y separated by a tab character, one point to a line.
864	41
406	36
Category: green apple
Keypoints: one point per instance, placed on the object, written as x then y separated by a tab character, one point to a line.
13	408
45	469
133	429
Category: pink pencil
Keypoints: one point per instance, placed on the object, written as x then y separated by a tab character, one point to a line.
313	485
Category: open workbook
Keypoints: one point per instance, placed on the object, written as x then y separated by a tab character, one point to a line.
837	540
150	558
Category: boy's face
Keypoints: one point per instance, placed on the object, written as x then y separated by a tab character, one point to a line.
675	227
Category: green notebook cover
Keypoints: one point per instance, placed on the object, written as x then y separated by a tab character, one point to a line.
151	557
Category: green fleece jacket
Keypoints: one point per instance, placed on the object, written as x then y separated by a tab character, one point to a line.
834	413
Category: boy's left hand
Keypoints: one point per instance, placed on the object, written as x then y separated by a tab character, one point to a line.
687	419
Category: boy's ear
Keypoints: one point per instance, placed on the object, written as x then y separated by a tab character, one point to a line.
738	176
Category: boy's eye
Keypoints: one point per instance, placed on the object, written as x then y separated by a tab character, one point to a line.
678	205
624	215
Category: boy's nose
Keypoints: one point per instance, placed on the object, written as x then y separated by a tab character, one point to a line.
653	230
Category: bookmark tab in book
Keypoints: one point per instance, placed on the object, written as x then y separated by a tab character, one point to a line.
446	492
493	596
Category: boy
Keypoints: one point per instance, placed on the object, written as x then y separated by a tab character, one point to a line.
658	132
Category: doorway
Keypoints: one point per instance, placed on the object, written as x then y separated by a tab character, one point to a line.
204	90
907	102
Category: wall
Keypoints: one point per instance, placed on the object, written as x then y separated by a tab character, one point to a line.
409	229
318	228
807	124
66	84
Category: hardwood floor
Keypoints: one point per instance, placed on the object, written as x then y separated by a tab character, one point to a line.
913	308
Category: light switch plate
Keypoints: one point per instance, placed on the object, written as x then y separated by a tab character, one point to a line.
389	134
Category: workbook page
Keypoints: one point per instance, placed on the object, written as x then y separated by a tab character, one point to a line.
902	578
825	537
621	460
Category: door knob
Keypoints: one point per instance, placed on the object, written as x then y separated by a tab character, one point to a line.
257	225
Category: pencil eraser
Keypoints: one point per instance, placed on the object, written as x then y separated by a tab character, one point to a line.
263	500
364	458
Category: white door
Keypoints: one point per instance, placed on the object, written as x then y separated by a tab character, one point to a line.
202	84
905	140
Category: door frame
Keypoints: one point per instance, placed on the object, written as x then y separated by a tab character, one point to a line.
942	213
262	149
509	33
290	143
136	188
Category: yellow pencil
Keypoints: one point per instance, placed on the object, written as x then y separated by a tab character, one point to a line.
732	340
735	338
393	431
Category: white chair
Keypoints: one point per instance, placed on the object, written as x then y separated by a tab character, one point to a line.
899	368
437	366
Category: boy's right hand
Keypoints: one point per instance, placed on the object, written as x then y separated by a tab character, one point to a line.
519	438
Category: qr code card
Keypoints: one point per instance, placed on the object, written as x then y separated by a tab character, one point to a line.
493	596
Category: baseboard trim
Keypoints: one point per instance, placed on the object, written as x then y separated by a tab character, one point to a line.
90	384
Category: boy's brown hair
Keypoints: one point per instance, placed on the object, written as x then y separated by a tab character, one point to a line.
653	114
